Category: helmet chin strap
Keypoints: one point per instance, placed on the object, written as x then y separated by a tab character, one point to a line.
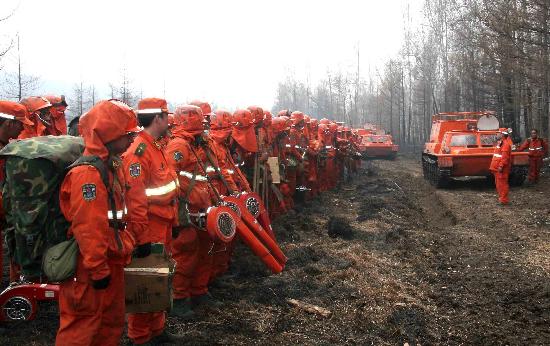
44	121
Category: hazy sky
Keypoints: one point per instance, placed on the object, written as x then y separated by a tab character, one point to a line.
230	52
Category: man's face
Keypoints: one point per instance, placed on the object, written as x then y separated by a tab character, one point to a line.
162	124
534	134
58	111
121	144
14	128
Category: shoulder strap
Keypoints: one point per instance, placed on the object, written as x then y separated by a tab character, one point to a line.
98	164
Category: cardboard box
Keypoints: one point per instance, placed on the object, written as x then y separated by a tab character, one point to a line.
148	283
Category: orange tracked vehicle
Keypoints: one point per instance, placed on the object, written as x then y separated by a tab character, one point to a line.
462	145
378	146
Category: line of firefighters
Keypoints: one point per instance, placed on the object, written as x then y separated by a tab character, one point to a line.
165	171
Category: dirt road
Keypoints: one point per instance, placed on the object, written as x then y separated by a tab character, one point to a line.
421	266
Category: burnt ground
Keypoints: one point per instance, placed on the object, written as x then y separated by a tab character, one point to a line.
402	263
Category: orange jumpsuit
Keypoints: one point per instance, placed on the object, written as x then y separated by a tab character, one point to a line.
191	247
538	149
222	253
501	165
327	169
59	121
90	316
151	201
312	168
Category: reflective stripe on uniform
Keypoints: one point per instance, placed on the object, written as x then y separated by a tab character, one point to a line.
119	214
161	190
230	171
539	148
288	145
190	176
210	169
497	155
328	146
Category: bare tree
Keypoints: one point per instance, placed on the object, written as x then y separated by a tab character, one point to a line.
18	85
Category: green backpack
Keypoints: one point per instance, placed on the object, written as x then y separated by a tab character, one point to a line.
34	171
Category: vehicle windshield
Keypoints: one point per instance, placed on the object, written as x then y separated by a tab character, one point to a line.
367	139
488	140
463	141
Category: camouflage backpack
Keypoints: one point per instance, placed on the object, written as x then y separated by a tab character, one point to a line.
35	168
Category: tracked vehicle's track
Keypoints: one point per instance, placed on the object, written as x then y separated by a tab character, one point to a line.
437	176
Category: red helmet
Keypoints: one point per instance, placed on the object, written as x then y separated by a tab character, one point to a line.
35	103
284	113
204	106
340	128
333	127
324	121
280	124
314	123
307	119
242	118
190	118
153	103
56	101
220	120
14	111
257	113
297	118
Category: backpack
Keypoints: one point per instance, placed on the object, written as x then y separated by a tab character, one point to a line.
35	169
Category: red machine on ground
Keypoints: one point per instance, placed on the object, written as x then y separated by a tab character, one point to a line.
19	301
462	144
378	146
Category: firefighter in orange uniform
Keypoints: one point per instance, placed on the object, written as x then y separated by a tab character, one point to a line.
39	109
13	116
220	130
59	105
91	305
280	198
151	202
244	144
538	149
190	243
501	165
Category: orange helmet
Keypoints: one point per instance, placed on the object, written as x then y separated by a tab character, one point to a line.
324	121
35	103
242	118
220	120
297	118
257	113
190	118
14	111
204	106
106	122
280	124
56	101
153	103
284	113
